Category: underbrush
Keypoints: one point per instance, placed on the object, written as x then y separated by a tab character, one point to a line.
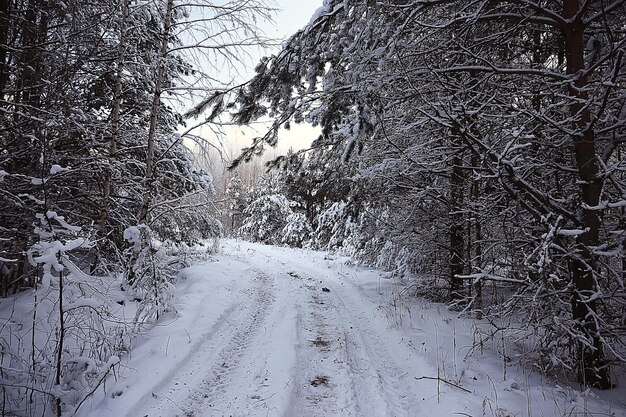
60	340
507	346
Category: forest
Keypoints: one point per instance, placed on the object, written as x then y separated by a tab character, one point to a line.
472	148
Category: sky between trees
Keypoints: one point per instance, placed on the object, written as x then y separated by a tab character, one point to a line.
291	16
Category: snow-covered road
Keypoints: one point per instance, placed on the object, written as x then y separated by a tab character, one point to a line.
267	331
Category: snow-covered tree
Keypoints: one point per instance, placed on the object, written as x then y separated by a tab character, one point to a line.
488	130
90	93
336	228
297	230
266	218
236	200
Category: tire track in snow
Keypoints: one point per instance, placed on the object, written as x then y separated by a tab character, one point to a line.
323	385
189	363
364	377
212	360
214	388
373	361
373	381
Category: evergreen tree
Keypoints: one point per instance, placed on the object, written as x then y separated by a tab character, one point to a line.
236	199
487	131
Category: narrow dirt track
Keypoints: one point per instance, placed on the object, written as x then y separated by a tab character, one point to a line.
278	332
297	340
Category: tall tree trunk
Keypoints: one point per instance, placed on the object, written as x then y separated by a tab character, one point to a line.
457	243
593	371
58	373
24	131
5	23
156	98
478	247
34	33
115	123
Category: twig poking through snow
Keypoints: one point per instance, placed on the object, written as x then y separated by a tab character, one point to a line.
434	378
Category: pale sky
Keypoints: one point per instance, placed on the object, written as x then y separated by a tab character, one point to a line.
292	16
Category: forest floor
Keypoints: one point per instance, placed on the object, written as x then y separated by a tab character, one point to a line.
271	331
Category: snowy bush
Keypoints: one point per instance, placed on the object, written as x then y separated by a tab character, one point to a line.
150	274
396	258
297	231
267	217
236	197
335	228
60	340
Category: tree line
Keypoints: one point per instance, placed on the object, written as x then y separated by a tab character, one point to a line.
482	148
95	177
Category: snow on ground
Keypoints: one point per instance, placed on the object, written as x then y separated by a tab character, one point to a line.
272	331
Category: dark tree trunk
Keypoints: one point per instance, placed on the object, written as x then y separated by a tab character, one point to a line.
115	124
27	28
478	248
457	242
5	23
593	371
156	100
34	33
